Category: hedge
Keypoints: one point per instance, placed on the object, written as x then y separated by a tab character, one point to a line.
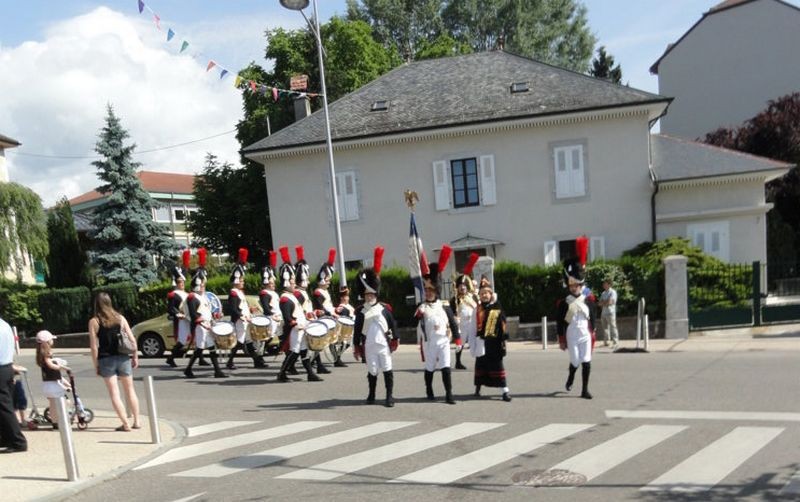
65	310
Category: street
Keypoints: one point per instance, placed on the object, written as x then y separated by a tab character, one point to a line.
641	438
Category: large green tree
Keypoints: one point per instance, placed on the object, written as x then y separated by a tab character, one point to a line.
126	240
67	265
23	228
603	67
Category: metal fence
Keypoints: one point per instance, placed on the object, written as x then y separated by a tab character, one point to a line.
723	286
783	278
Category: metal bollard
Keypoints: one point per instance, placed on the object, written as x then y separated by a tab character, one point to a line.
65	428
646	332
152	413
544	333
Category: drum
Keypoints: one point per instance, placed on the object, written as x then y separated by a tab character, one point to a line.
224	335
259	328
346	328
216	305
331	324
317	336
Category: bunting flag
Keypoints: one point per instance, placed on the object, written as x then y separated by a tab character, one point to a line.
157	20
184	45
141	6
237	81
170	34
253	86
274	94
211	64
222	74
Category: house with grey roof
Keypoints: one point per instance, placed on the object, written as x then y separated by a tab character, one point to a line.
511	158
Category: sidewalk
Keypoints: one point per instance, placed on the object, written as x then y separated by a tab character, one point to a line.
101	452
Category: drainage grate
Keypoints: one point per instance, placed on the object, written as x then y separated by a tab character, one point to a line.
555	477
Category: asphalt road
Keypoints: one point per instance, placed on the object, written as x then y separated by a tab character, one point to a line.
484	448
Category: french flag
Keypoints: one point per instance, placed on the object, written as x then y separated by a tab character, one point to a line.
417	262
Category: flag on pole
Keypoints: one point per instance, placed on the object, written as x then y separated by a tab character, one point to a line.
417	263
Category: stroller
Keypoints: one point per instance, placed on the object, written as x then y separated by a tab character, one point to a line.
83	414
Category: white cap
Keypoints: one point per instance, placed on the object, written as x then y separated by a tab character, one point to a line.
44	336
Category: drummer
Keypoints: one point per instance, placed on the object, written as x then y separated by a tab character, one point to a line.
175	310
323	305
302	277
200	317
268	298
240	314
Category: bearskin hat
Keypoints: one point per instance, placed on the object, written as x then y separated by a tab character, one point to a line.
466	277
238	271
326	270
575	267
178	273
287	269
268	272
301	269
369	279
432	280
200	275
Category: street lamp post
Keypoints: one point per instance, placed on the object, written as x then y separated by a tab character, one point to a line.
299	5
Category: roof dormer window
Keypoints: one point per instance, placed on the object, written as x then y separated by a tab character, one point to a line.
518	87
380	106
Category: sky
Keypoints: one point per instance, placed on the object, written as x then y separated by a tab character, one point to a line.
63	62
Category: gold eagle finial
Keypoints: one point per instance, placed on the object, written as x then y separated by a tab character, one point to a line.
411	198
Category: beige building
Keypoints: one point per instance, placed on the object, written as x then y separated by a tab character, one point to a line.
729	64
21	263
511	158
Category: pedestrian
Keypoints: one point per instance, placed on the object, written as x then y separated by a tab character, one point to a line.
106	330
490	322
436	327
54	386
576	320
20	400
11	437
608	316
375	331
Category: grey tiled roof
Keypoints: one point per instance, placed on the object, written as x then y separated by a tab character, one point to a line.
677	159
453	91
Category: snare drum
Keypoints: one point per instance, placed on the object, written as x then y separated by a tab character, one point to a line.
346	328
224	335
331	324
259	328
317	336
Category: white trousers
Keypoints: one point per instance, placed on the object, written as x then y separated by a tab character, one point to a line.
184	330
579	343
378	358
437	353
297	341
241	331
203	338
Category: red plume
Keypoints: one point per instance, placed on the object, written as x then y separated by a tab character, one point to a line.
331	256
243	255
423	264
444	257
473	259
377	261
273	259
285	254
187	256
202	254
582	248
298	250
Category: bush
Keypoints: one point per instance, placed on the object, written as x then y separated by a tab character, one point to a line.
65	310
124	296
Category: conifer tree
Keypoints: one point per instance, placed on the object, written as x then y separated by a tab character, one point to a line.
126	240
66	263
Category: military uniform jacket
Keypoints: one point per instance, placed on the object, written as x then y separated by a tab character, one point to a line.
441	311
323	305
237	305
292	312
374	325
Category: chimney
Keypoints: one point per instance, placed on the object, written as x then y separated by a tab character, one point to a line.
302	107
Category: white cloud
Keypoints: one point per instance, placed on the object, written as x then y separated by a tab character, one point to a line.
54	92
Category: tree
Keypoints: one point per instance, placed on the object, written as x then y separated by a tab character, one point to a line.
23	227
603	67
774	133
66	262
126	239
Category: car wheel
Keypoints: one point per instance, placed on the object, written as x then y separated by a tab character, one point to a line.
151	344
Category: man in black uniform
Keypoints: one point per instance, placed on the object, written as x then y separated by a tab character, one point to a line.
175	309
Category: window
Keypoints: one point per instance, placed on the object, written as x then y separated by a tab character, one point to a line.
517	87
380	106
597	248
161	214
570	176
347	194
463	183
180	214
712	237
557	251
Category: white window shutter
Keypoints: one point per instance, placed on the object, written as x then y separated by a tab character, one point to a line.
340	195
562	176
441	185
576	172
351	195
488	184
597	248
550	252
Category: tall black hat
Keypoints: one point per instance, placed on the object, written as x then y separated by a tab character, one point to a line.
575	267
466	277
200	275
268	273
432	280
301	270
326	270
238	271
369	279
178	273
287	269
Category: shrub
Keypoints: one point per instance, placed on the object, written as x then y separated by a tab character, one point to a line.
65	310
124	296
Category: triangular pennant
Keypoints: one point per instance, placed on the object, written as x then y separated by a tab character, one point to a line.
184	45
141	6
237	82
274	94
222	74
263	89
156	20
211	64
170	34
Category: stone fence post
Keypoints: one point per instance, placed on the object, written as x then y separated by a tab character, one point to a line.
676	290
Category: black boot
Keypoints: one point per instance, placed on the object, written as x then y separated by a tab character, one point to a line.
202	361
312	377
477	391
429	385
372	380
321	369
586	369
459	366
448	386
288	362
188	371
234	350
258	361
388	380
571	377
215	362
338	363
177	351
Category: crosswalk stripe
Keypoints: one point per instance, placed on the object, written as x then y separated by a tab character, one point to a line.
766	416
216	445
216	427
709	466
275	455
484	458
191	497
358	461
793	486
604	457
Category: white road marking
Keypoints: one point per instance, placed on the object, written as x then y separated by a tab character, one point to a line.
605	456
226	443
793	486
358	461
709	466
191	497
706	415
478	460
215	427
275	455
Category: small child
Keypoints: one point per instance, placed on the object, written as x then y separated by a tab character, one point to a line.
53	385
20	401
344	308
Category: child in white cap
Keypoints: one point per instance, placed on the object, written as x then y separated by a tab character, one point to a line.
53	385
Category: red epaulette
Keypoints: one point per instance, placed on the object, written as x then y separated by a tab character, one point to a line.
234	292
191	296
284	299
171	295
317	292
263	292
388	307
299	295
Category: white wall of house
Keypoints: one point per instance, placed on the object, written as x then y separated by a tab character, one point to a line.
3	166
527	213
727	69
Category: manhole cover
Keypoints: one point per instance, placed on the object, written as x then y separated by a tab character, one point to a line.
554	477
